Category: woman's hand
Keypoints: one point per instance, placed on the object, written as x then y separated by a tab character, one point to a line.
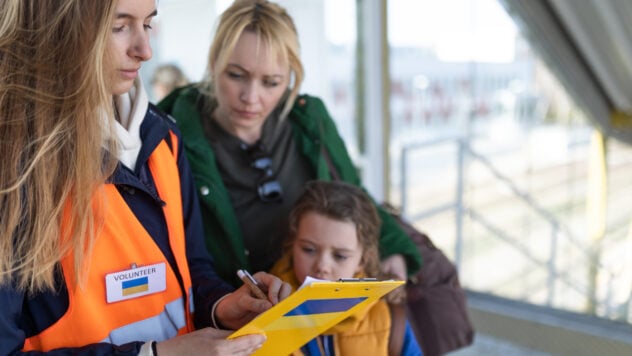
241	306
395	266
210	341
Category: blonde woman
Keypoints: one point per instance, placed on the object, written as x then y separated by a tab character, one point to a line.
101	238
253	142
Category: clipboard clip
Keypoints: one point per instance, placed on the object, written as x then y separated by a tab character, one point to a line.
357	280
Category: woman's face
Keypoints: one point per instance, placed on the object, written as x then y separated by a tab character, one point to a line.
128	44
249	88
326	248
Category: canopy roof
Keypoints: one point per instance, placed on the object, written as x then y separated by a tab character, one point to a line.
588	44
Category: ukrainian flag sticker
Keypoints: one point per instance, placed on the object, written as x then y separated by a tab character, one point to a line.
136	286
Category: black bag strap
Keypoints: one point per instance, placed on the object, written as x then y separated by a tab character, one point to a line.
398	329
323	150
330	163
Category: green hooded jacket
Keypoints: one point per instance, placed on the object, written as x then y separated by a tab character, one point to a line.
312	127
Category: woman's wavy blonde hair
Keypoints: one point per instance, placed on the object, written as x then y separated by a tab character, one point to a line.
274	28
53	95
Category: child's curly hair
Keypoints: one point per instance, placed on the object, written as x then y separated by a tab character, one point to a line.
344	202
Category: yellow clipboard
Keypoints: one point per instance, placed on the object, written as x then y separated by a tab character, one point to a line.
311	310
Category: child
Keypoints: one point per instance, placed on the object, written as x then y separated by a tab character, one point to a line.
333	234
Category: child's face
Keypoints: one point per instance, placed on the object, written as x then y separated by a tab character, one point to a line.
326	248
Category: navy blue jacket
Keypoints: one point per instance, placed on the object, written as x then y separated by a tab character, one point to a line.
22	316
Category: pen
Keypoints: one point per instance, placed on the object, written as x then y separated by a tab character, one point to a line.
252	283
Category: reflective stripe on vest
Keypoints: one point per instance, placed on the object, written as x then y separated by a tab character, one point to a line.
123	241
160	327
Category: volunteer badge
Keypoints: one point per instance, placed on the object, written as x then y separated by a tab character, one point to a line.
135	282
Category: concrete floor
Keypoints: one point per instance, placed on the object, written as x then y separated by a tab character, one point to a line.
489	346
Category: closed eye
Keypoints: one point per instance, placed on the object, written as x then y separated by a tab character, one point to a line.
340	257
308	250
270	83
235	75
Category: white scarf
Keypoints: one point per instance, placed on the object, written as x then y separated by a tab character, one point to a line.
131	108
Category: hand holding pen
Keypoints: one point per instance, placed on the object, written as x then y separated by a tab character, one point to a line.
251	282
245	302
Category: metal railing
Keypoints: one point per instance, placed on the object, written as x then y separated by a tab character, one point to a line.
465	154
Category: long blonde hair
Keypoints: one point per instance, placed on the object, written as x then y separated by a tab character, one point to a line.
274	28
53	94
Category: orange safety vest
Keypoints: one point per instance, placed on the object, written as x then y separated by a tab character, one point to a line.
123	242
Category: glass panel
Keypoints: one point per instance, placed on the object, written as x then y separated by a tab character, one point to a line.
475	110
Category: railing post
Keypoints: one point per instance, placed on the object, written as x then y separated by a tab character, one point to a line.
608	301
551	264
458	246
404	184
